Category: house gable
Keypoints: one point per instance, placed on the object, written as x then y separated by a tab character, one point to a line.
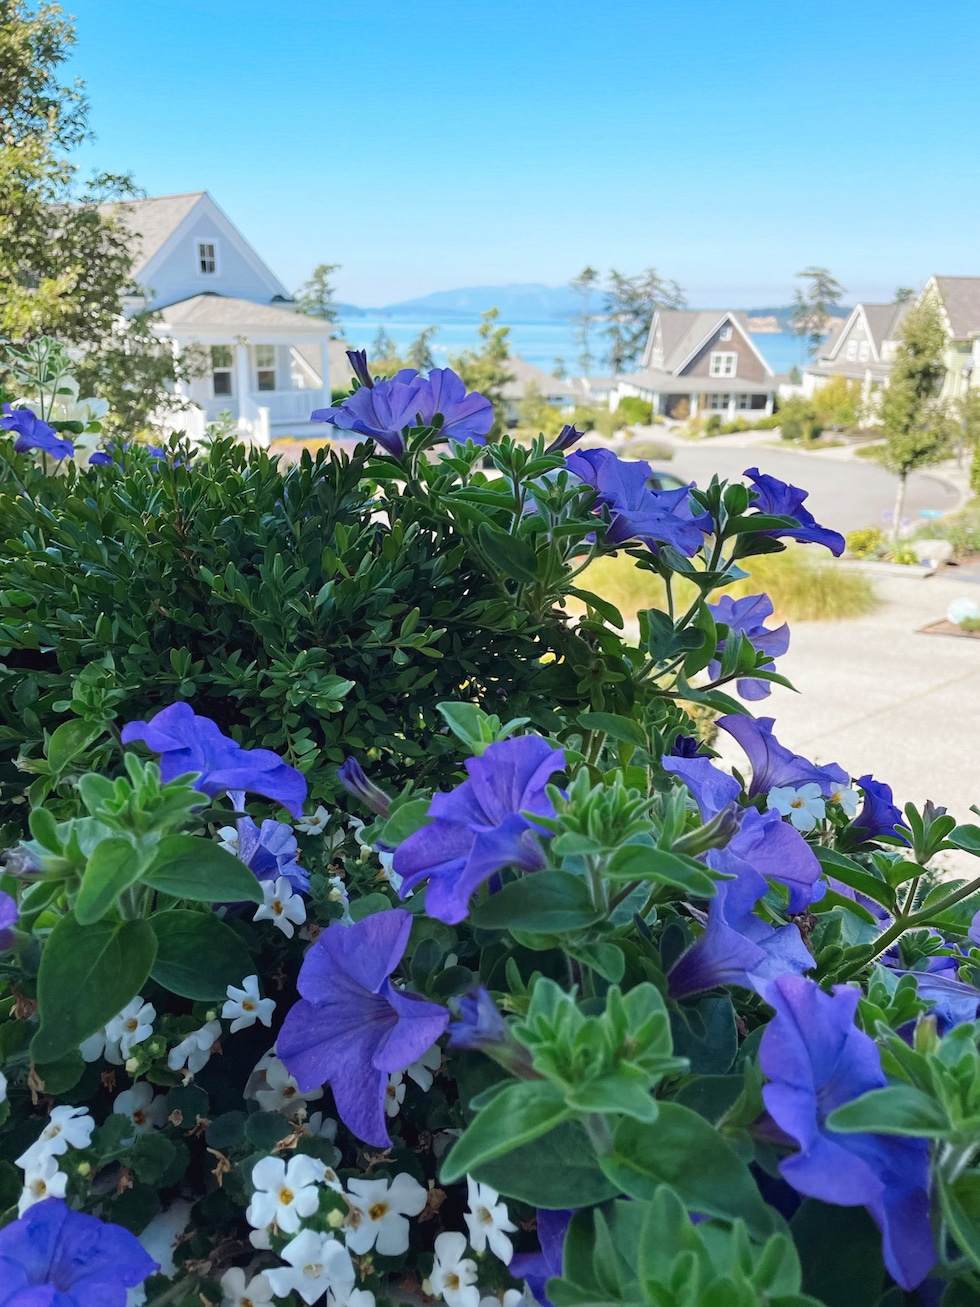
727	350
856	343
205	252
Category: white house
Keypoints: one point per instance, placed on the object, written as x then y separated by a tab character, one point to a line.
699	360
555	391
266	365
862	350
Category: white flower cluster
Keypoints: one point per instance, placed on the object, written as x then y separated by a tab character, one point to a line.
68	1127
117	1040
805	805
318	1266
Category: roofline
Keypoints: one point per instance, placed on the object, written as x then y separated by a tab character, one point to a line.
746	336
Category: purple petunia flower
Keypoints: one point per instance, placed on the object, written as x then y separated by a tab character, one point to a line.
687	746
878	815
566	438
816	1059
352	1028
775	496
8	919
538	1268
747	617
351	776
479	827
773	765
384	409
737	946
480	1024
359	366
654	517
106	457
54	1257
270	851
189	743
32	433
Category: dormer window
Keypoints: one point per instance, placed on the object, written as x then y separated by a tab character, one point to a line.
725	333
207	258
723	365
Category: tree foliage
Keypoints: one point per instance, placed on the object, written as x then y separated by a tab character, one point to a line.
65	256
629	306
485	369
585	286
813	305
316	296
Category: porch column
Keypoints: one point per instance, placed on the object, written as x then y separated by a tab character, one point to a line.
731	405
325	370
695	403
770	399
242	386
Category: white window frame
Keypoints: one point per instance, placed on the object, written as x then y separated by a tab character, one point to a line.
864	352
199	257
718	401
225	370
743	401
723	363
852	351
260	368
725	333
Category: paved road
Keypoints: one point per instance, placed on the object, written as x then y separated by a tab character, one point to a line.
844	493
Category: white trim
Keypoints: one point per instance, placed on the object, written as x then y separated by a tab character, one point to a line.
852	317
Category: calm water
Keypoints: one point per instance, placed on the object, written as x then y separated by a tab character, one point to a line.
538	342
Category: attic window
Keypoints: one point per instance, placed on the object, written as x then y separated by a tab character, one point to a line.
723	365
207	258
725	333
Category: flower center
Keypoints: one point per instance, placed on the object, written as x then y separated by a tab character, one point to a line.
276	906
483	1216
286	1196
452	1281
39	1188
132	1024
378	1210
313	1270
139	1116
289	1091
248	1005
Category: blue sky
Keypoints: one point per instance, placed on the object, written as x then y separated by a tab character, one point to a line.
426	145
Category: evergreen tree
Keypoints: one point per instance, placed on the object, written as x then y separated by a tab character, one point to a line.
316	296
485	369
585	285
65	258
629	306
419	353
813	306
918	430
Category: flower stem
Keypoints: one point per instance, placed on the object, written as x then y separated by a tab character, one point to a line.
909	921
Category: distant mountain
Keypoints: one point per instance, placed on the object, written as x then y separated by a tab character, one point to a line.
530	302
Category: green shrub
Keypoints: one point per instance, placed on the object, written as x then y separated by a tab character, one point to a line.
713	425
799	420
904	554
866	542
634	411
838	403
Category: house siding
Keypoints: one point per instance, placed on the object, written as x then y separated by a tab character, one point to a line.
172	273
748	366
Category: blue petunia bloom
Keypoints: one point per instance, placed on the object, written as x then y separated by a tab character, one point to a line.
359	366
654	517
747	617
384	409
33	433
566	438
738	947
189	743
270	851
479	827
538	1268
480	1024
878	815
773	765
352	777
8	919
54	1257
687	746
777	497
352	1029
106	457
816	1059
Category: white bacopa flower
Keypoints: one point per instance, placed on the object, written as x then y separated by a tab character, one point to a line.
421	1071
162	1235
488	1221
379	1216
282	907
281	1092
146	1110
387	861
244	1006
3	1088
318	1264
506	1298
41	1180
236	1291
394	1094
194	1051
453	1275
324	1127
284	1192
133	1024
316	824
356	1298
338	894
804	806
847	797
68	1127
228	839
357	826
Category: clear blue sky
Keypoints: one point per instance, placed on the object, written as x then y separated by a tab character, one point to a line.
426	145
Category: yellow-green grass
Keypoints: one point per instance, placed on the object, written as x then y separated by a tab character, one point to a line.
802	588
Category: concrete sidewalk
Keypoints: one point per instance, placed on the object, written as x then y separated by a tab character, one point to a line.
876	695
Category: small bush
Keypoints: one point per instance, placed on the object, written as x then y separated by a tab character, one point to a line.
867	542
634	411
799	420
903	554
713	425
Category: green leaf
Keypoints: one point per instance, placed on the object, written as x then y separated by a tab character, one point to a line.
68	741
897	1110
682	1150
542	901
605	959
961	1208
623	729
855	876
87	975
547	1170
188	867
113	865
405	821
840	1254
516	558
645	862
198	955
517	1114
967	838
